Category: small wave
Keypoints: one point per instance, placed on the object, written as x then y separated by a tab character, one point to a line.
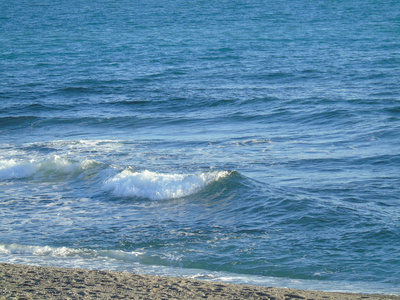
37	107
159	186
253	141
19	121
65	252
48	168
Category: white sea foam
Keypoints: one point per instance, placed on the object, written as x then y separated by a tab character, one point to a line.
17	249
11	169
29	250
159	186
69	257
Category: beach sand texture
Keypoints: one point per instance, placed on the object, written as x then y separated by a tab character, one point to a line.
30	282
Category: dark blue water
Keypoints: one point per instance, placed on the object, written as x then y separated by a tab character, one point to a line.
243	141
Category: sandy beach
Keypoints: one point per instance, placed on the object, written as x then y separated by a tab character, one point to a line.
29	282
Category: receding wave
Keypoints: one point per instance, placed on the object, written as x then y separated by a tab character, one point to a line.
30	250
159	186
136	262
67	257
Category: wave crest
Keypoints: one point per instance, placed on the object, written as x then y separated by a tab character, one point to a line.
159	186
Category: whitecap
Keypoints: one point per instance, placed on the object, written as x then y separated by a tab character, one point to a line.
159	186
12	169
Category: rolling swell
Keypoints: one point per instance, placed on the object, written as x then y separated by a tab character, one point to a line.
17	122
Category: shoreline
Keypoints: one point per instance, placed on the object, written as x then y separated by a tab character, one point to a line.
32	282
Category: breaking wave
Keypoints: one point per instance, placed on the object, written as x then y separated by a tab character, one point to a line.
159	186
126	183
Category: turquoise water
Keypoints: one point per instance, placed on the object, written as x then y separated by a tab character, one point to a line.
241	141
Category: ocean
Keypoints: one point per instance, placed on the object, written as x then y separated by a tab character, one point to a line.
243	141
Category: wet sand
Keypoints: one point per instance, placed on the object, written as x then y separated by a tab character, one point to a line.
28	282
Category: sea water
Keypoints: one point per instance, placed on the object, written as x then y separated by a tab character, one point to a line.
246	141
